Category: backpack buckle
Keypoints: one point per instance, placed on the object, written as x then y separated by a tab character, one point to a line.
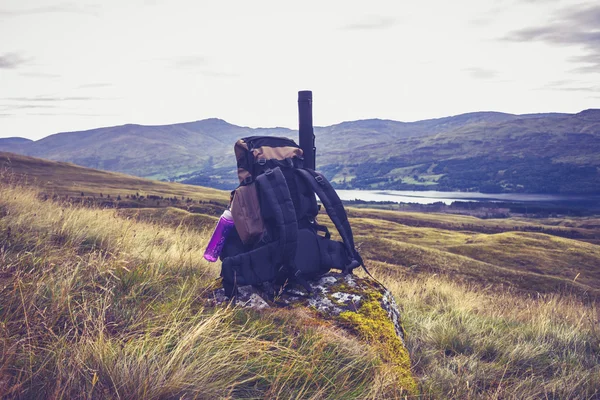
319	179
261	161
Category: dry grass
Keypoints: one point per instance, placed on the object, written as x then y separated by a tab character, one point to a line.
95	305
539	253
100	304
170	216
575	228
530	261
66	179
478	343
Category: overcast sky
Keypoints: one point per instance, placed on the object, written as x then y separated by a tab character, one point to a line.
86	64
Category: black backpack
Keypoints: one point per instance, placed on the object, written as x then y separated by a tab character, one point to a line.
277	240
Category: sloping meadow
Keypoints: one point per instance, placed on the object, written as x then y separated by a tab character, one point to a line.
96	304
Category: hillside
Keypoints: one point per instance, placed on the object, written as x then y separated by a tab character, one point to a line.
67	180
537	154
99	302
529	255
483	151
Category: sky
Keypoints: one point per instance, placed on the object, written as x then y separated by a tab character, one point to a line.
69	66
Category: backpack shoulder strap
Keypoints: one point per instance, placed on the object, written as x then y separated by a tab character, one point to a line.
335	210
275	193
260	264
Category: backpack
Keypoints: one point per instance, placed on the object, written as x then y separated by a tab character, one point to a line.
277	240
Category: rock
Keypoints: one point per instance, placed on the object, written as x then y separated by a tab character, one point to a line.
362	306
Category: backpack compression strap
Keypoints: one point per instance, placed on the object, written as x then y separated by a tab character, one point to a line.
275	192
335	210
259	265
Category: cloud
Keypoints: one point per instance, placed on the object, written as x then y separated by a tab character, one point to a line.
488	17
41	102
372	23
94	85
219	74
26	106
57	8
591	62
197	64
559	83
576	26
481	73
12	61
579	89
587	16
202	65
190	62
558	34
539	1
568	85
51	99
587	69
39	75
62	114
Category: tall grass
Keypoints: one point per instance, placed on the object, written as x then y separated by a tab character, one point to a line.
473	342
96	305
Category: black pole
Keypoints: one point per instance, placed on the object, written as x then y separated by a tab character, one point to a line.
305	131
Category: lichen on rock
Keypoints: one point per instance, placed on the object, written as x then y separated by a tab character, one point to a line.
361	306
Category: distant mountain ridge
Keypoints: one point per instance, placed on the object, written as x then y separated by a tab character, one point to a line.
480	151
11	141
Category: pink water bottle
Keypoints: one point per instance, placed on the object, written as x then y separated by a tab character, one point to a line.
215	245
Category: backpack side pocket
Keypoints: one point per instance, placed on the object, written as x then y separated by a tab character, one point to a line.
316	255
308	254
245	209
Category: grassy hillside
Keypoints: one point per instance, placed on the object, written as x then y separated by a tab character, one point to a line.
502	252
97	304
533	255
80	183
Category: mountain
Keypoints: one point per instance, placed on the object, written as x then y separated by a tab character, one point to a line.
548	153
155	152
480	151
13	142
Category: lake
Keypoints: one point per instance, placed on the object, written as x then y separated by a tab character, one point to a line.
429	197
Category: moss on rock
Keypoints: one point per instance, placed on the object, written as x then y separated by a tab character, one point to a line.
362	306
372	323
